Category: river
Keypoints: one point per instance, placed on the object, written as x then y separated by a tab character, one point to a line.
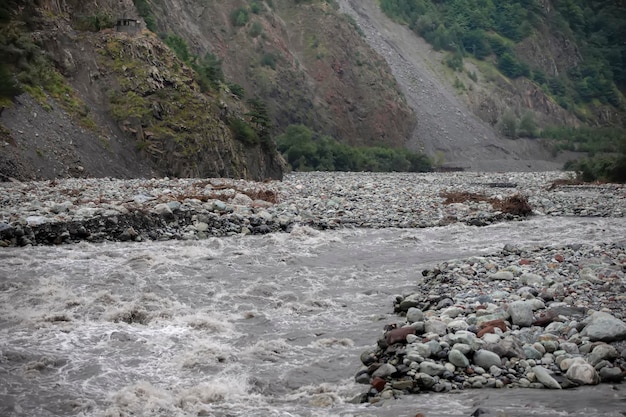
267	325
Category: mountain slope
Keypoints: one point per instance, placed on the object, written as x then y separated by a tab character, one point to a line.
119	104
447	127
304	59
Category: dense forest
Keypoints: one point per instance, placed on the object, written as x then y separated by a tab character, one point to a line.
489	28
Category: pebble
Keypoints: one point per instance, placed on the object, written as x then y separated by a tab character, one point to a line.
571	337
99	209
491	321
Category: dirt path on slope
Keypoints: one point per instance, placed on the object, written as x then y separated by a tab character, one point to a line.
445	125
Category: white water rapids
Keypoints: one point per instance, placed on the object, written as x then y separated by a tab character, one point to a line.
243	326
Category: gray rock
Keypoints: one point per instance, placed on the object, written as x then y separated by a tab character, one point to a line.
486	359
432	368
436	326
462	336
456	325
609	374
422	349
425	380
604	327
362	378
502	276
571	348
545	378
414	314
531	352
434	346
164	211
602	352
384	371
458	359
495	370
534	280
521	313
582	373
463	348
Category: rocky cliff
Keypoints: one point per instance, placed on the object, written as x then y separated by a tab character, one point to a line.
124	103
118	103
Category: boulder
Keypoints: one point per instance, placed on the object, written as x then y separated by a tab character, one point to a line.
458	359
486	359
545	378
582	373
604	327
384	371
521	313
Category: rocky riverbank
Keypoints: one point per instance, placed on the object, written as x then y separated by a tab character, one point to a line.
95	210
526	317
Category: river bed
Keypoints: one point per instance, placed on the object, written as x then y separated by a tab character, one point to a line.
268	325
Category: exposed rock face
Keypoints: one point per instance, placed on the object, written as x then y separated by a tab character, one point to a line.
142	112
460	127
325	75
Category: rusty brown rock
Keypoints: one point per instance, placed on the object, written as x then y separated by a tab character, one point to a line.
399	335
378	383
490	326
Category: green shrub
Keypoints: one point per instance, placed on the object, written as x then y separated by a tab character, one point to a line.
145	11
268	60
209	70
239	17
255	7
256	29
179	46
8	84
305	150
528	126
237	90
508	124
94	23
455	61
243	132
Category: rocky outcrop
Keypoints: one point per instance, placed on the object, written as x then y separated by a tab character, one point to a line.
128	107
309	63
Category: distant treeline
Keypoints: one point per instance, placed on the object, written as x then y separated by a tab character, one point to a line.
305	150
485	28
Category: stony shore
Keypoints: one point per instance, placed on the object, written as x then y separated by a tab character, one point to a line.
95	210
542	317
526	317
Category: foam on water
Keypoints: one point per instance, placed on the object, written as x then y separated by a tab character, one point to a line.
239	326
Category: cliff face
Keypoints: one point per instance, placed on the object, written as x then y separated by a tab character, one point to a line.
122	104
306	60
102	102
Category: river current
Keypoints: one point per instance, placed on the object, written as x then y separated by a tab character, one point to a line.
267	325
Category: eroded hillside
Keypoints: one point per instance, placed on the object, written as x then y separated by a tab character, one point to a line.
306	60
119	103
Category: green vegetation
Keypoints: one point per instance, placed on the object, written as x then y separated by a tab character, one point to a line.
145	11
489	28
586	139
256	29
94	23
611	168
605	147
237	90
268	59
208	68
242	131
305	151
239	16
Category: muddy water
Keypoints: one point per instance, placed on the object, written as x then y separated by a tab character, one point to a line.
244	326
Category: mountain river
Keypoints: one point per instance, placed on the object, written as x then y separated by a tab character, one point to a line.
267	325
